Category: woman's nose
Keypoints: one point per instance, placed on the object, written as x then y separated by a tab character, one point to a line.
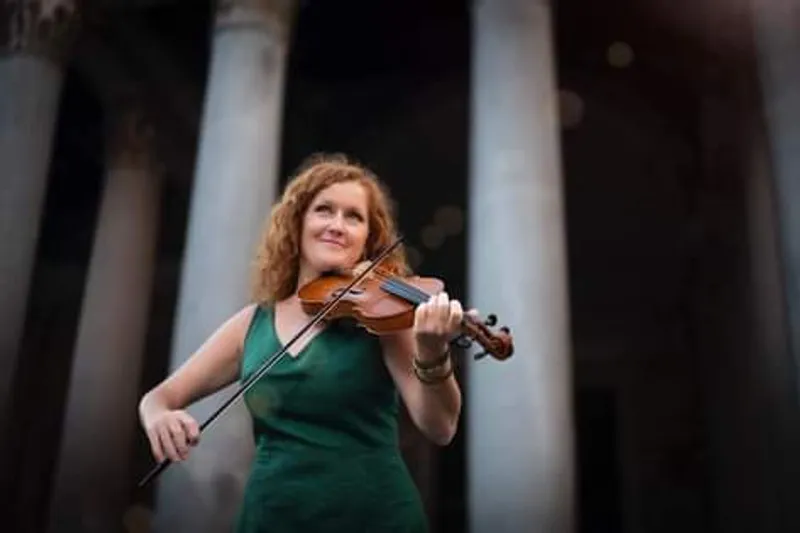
336	223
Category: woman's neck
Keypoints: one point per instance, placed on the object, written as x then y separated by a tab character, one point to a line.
305	276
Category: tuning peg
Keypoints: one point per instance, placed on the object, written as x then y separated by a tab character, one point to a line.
491	320
462	341
505	330
480	356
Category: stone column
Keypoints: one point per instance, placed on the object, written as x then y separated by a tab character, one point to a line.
93	478
519	440
775	254
234	188
34	38
777	44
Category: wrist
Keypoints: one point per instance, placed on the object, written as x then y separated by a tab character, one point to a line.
432	354
432	360
150	407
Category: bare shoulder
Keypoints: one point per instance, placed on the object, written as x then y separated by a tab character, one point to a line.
233	331
214	365
244	315
239	324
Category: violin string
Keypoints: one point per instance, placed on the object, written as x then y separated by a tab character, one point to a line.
415	295
404	290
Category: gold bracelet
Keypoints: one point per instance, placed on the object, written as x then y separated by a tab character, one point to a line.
434	373
436	363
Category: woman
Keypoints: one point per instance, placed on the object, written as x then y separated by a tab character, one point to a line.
324	418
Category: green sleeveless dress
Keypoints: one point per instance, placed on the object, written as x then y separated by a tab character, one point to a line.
325	426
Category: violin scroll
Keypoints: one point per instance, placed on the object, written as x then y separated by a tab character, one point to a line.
499	345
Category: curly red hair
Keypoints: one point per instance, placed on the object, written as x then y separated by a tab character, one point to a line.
277	261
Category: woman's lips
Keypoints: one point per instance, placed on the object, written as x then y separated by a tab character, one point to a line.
333	242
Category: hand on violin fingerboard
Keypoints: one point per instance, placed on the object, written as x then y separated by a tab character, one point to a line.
435	322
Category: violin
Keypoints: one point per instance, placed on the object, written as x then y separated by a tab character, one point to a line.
384	303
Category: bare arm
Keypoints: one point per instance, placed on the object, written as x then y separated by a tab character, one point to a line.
212	367
434	409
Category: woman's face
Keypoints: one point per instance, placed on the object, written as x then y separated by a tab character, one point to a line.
335	229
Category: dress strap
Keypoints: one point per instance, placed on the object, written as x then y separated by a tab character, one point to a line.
258	316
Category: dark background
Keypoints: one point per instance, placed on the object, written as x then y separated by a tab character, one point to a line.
656	217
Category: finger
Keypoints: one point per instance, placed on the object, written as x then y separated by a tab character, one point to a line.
171	444
191	428
443	301
167	445
421	314
179	437
442	312
155	445
473	313
456	315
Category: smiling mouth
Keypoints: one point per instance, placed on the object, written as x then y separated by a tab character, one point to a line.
335	243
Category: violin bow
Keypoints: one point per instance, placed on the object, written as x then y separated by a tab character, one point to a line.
273	360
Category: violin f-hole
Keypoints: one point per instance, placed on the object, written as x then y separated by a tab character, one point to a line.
355	291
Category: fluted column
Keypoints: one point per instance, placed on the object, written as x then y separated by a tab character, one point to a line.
34	36
519	442
93	478
234	189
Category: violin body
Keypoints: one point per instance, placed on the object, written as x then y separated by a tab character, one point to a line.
384	304
376	309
